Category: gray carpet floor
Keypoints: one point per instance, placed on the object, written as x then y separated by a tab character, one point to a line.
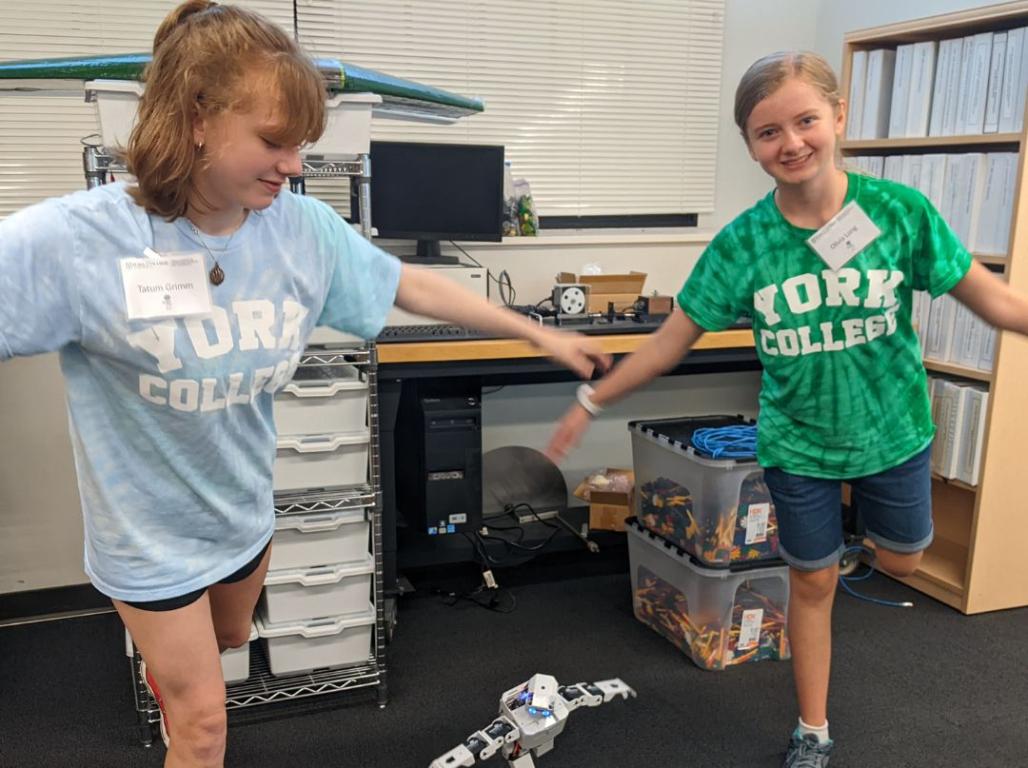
919	688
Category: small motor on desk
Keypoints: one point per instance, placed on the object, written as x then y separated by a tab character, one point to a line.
653	307
570	298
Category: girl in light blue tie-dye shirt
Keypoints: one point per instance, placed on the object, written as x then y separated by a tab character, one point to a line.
172	358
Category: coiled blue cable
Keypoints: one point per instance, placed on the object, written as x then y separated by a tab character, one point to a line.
844	581
736	442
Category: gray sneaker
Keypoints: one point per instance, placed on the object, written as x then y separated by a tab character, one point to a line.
807	752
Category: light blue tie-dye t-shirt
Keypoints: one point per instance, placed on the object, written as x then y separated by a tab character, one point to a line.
171	419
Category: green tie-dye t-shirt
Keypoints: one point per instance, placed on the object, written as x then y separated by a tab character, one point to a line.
844	392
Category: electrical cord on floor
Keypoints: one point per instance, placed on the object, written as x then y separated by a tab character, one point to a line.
486	595
490	598
846	581
512	545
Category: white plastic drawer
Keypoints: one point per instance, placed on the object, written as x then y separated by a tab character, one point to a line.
347	125
305	541
235	662
117	102
300	594
322	400
321	461
339	641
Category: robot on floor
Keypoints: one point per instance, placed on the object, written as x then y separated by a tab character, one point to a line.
532	715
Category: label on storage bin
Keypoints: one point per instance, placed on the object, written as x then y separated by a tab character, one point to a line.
756	523
749	632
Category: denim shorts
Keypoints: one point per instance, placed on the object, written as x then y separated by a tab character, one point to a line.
896	507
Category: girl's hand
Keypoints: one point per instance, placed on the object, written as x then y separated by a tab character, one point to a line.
568	434
575	351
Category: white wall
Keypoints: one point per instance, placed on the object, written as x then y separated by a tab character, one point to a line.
40	524
752	29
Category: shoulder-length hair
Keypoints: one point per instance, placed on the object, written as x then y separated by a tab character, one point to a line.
207	59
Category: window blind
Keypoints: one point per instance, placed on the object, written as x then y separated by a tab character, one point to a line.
40	149
606	106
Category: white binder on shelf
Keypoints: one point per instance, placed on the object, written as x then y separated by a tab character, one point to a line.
901	91
972	434
858	77
922	81
881	64
995	90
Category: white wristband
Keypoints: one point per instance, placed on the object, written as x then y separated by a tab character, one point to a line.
584	395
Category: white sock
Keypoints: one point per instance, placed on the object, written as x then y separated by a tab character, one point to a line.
821	731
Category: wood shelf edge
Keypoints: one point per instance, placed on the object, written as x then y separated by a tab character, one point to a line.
955	483
932	589
930	142
958	370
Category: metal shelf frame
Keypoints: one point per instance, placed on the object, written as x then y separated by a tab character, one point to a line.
261	687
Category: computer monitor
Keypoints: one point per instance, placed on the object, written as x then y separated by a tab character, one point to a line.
433	192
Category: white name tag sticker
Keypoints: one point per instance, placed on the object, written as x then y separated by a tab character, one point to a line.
845	235
756	523
749	631
172	285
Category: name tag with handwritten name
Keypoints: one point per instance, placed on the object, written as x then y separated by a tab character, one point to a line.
166	285
845	235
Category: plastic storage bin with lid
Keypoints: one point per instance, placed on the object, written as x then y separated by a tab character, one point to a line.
719	617
301	594
716	509
320	400
332	641
347	117
235	662
306	541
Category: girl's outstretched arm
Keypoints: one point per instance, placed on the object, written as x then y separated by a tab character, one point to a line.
992	300
659	353
425	292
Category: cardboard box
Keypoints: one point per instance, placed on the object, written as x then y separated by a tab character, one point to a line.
623	289
608	509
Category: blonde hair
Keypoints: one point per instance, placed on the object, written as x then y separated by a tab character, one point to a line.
208	59
766	75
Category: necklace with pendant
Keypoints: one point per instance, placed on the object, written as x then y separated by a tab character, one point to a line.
217	274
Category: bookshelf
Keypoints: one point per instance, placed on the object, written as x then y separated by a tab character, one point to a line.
977	562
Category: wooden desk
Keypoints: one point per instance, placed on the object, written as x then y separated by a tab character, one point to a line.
509	349
447	368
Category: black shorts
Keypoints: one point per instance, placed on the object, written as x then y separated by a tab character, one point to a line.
171	603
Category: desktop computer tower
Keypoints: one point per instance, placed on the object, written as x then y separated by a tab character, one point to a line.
439	464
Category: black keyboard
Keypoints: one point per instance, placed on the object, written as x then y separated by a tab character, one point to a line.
440	332
591	325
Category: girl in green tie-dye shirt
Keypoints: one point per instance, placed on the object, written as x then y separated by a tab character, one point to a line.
844	393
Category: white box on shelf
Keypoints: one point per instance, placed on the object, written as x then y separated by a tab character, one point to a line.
235	662
116	105
323	335
321	461
347	126
320	400
303	541
334	641
301	594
